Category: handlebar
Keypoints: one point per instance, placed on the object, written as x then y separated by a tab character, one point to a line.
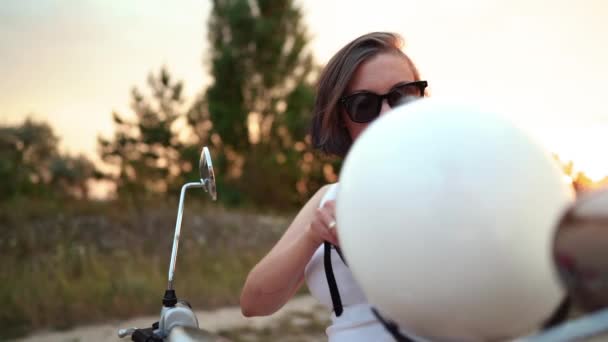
145	335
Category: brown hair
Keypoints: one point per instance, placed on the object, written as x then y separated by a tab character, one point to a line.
329	133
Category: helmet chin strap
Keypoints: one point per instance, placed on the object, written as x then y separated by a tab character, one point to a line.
559	315
392	328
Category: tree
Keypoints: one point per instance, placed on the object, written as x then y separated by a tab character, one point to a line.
70	175
31	165
255	114
146	150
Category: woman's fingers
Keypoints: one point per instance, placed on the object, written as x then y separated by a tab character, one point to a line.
330	208
320	228
334	234
324	222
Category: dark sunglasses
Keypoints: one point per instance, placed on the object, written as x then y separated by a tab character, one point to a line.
365	106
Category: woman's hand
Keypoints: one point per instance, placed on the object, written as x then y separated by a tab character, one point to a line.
323	225
279	275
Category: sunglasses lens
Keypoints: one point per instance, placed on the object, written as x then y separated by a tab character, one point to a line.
365	106
362	107
404	94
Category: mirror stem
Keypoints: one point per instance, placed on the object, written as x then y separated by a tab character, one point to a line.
178	226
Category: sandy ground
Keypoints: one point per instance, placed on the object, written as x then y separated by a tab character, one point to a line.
220	320
213	321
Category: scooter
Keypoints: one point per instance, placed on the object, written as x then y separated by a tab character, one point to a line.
177	320
580	254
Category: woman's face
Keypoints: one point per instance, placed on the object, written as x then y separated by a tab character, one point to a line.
379	75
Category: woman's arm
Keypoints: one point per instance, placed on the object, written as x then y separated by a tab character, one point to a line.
279	275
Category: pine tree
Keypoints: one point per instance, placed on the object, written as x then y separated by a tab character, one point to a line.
146	151
256	113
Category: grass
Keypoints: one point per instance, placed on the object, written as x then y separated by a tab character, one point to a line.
66	264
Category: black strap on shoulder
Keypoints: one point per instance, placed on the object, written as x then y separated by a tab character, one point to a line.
560	314
331	280
392	328
340	254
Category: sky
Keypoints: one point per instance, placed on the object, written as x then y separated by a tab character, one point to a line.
541	62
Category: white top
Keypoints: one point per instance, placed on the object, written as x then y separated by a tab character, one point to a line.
357	322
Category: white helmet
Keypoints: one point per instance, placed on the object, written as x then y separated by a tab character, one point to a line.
446	215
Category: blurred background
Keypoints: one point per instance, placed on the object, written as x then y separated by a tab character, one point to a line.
104	108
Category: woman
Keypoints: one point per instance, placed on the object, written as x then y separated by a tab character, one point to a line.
363	80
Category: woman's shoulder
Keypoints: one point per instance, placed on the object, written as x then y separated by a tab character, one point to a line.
326	187
326	190
329	193
321	194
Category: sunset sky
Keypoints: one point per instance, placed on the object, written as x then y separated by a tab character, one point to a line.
542	62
